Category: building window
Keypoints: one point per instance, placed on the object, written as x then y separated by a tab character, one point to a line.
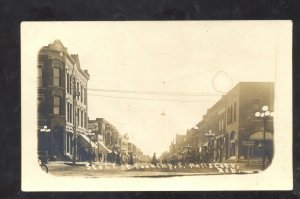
85	121
228	115
41	105
85	95
68	83
255	105
68	112
40	76
71	113
56	77
56	105
81	93
78	117
81	118
234	113
222	125
77	89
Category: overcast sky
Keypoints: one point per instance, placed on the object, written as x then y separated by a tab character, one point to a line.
170	57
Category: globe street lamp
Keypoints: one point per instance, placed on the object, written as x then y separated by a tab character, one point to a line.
264	115
45	130
188	153
210	135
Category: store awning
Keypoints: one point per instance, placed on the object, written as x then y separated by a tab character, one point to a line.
85	141
232	141
103	148
205	144
260	136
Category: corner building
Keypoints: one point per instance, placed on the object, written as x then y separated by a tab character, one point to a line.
232	121
242	102
59	77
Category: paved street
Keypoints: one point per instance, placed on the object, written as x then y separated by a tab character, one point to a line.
147	170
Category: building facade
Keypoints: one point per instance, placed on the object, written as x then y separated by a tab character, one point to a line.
111	143
97	130
62	101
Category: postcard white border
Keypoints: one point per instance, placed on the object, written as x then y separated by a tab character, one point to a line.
278	176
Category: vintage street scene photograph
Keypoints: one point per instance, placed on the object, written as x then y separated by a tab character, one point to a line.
154	99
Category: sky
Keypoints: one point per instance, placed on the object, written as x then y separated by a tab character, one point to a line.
204	58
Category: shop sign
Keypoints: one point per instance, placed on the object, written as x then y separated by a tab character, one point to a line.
248	143
93	126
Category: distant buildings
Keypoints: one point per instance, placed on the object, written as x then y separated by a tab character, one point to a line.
229	131
60	76
112	143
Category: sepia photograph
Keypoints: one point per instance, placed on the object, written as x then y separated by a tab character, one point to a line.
156	105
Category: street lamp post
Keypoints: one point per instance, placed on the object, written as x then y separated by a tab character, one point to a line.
45	130
188	153
264	115
210	135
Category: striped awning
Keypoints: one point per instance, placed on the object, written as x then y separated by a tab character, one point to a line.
260	136
205	144
85	141
103	148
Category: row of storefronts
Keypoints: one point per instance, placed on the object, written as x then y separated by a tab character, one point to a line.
229	131
112	145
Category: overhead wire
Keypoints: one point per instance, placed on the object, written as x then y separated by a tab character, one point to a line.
153	99
154	92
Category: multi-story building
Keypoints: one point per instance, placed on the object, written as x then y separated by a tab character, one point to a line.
62	100
213	130
232	121
243	101
98	128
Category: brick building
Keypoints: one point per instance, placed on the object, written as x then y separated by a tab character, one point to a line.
97	129
59	76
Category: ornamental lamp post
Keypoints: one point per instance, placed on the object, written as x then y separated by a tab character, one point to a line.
210	135
264	115
45	130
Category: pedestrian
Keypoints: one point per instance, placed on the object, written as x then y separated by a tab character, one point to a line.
131	159
118	159
154	160
90	156
93	155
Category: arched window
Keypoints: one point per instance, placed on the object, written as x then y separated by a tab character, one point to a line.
228	115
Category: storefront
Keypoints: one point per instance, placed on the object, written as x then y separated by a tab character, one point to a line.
87	149
258	149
